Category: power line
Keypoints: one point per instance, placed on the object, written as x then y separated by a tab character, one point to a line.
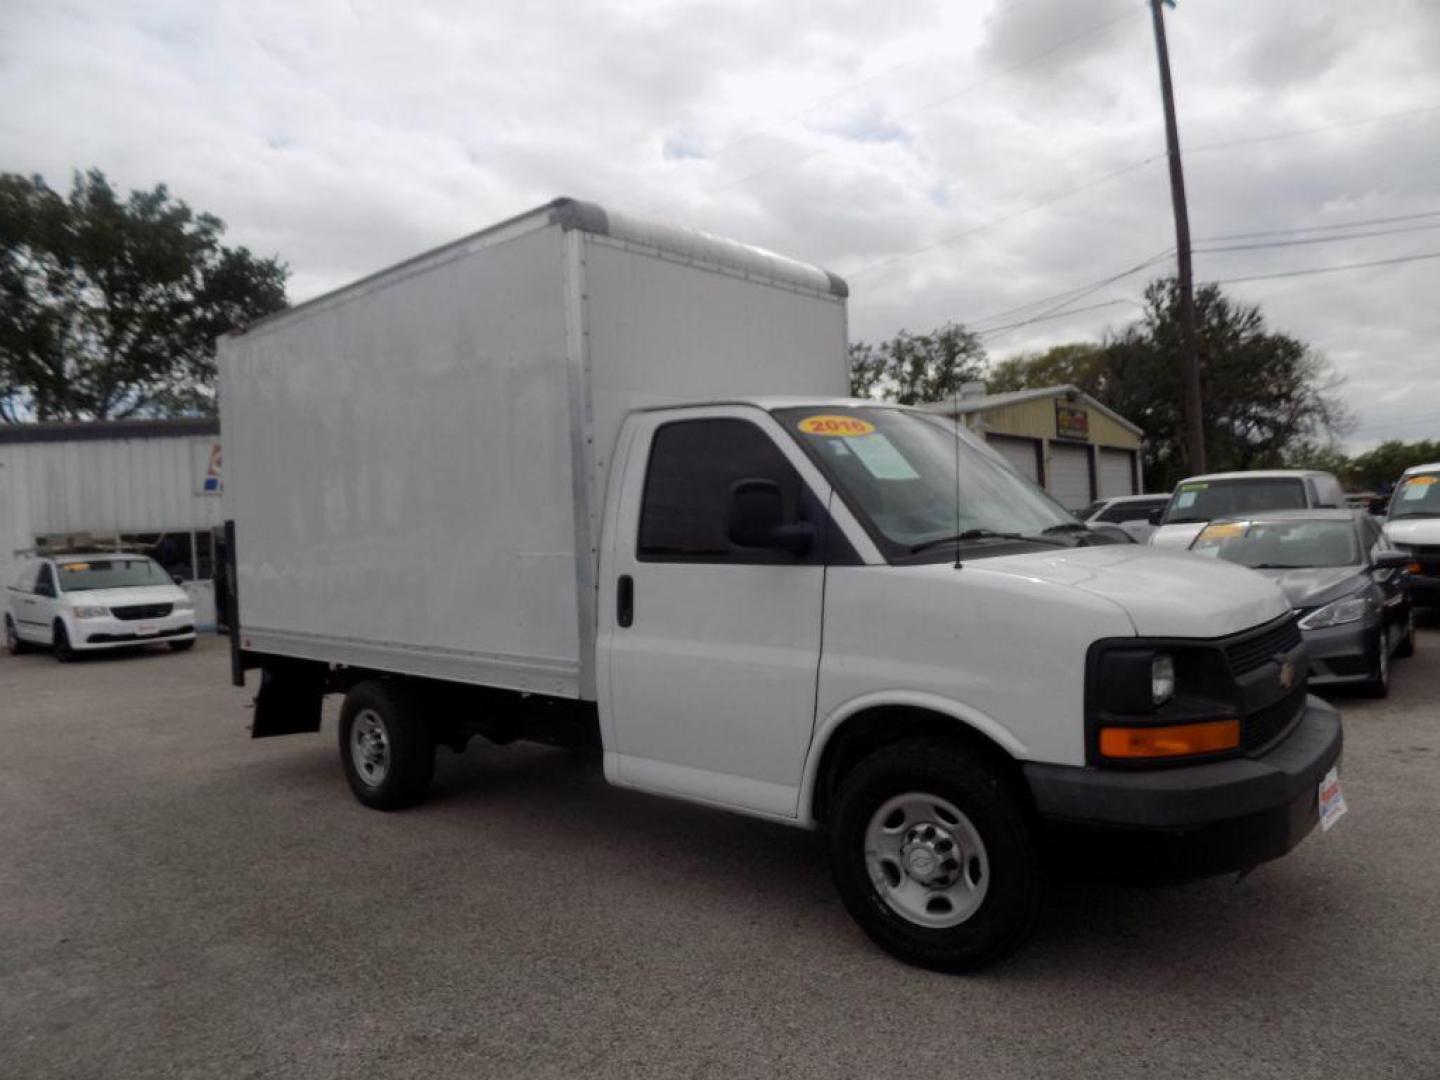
1323	228
1079	292
1052	315
1316	240
1250	140
1048	200
1328	269
791	163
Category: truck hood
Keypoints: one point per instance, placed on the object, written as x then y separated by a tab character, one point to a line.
1164	593
1312	586
1413	530
135	594
1180	535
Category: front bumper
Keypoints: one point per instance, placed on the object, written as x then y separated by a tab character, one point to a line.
1342	654
1191	821
113	633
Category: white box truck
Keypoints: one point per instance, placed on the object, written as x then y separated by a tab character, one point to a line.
596	482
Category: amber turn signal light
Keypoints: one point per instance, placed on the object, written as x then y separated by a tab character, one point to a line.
1414	568
1175	741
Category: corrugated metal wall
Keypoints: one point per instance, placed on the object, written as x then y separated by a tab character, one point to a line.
102	486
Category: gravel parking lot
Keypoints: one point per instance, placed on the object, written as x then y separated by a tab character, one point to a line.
181	901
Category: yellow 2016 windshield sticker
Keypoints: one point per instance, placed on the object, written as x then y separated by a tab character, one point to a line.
838	426
75	567
1222	532
1422	481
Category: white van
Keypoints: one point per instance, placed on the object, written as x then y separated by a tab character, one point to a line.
1200	499
1413	526
595	482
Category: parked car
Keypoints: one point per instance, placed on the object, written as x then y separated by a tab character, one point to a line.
102	600
1413	526
1200	499
1134	515
1346	583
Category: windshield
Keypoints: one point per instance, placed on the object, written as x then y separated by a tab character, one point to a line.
1418	496
896	471
117	572
1277	544
1206	500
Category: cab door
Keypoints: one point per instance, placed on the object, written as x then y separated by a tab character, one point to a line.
709	649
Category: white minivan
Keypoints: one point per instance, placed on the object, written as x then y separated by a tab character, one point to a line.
1413	526
100	600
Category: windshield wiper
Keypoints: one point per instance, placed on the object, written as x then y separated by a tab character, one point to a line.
985	534
1066	526
1417	513
1279	566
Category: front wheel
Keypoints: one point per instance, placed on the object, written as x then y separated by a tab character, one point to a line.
386	746
182	646
934	855
1379	685
64	651
1407	643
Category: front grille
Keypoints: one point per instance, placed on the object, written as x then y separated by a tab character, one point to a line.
136	612
1265	725
1250	653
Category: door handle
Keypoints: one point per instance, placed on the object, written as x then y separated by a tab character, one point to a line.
625	600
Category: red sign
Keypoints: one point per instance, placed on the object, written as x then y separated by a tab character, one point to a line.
1071	422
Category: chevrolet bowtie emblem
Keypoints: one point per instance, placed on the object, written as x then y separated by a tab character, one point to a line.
1287	674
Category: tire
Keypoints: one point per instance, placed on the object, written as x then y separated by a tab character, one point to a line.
1406	648
387	748
182	646
931	798
63	650
1379	685
13	645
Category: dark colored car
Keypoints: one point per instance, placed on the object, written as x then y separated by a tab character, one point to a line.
1346	582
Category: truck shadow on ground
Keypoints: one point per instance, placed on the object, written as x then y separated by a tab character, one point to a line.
682	853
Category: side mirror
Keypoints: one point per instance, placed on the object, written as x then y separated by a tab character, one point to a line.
45	589
1392	560
1154	516
757	519
177	579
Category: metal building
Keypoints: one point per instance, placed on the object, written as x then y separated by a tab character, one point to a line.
141	485
1059	436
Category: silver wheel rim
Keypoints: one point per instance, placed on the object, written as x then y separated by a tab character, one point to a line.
926	860
370	748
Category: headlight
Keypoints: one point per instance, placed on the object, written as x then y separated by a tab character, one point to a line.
1347	610
1162	678
89	612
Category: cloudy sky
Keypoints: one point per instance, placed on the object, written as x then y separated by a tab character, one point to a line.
971	160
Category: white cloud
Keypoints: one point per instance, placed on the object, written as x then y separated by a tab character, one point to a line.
345	136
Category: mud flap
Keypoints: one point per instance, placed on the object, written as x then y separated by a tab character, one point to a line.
291	692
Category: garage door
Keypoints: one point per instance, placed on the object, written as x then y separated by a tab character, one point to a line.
1019	452
1069	479
1117	473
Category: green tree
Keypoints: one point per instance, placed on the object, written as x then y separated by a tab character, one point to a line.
1078	363
914	368
1377	469
1266	394
109	307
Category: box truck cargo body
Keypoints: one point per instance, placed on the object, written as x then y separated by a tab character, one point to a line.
418	476
596	482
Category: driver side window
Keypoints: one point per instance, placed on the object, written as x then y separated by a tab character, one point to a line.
45	583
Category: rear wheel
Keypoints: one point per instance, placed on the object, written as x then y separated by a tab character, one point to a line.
386	746
64	651
13	645
934	855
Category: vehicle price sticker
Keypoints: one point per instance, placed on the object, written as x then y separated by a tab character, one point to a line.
1222	531
1332	800
835	426
1416	487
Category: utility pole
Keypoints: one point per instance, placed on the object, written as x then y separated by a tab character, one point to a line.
1189	348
